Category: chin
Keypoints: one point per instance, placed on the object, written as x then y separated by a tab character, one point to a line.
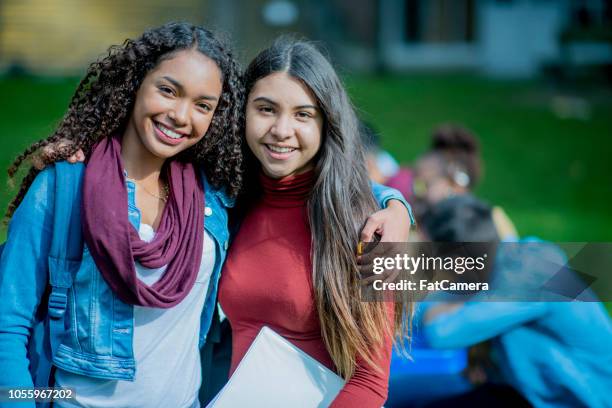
277	172
162	151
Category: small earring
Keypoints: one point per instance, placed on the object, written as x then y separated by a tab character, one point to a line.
461	178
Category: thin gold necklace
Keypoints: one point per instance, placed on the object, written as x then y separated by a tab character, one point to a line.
164	189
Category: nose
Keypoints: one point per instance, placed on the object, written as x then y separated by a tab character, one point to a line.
282	128
180	113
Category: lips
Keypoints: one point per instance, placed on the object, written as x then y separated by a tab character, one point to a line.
280	149
167	135
279	152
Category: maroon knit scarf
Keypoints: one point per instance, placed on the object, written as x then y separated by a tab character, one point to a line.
114	242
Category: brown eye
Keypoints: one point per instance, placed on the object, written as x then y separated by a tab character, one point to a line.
166	89
205	107
265	109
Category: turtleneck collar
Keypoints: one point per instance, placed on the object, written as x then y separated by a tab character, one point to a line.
290	191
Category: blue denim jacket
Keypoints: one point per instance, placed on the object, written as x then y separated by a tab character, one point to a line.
99	327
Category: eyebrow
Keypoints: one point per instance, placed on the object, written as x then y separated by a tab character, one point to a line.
271	102
182	89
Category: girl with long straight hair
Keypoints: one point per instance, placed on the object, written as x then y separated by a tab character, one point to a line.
292	264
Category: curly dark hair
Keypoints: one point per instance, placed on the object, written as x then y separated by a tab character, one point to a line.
104	99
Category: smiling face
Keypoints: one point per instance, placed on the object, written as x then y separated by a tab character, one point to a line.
283	125
174	106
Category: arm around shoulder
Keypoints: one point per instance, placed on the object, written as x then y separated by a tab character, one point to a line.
384	195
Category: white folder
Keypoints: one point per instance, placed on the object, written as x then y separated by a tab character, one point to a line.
275	373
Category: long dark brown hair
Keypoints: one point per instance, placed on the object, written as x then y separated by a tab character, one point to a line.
104	99
340	203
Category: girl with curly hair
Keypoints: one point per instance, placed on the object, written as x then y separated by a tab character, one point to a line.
291	266
158	122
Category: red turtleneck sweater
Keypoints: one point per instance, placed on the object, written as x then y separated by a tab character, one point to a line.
267	280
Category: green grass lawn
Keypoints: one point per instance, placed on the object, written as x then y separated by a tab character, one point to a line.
551	175
29	110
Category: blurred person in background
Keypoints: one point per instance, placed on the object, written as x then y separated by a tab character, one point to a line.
453	166
551	354
382	166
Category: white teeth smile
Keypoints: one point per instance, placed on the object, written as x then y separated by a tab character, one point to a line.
169	132
278	149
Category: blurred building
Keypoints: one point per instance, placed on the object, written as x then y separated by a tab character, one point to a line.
511	38
515	38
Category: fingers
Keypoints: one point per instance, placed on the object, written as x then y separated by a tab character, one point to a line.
372	246
368	280
62	145
367	258
368	277
38	163
373	226
397	231
79	156
41	157
394	222
367	251
390	275
48	154
365	267
371	257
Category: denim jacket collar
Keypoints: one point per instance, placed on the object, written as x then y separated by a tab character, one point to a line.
220	193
